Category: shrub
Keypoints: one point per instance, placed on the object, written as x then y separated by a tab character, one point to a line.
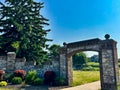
2	72
90	68
59	81
8	77
16	80
20	73
3	83
38	81
30	77
49	77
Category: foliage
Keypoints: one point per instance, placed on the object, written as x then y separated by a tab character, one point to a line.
82	77
93	64
20	73
94	58
54	50
79	59
16	80
30	77
9	77
3	83
59	81
90	68
38	81
49	77
22	29
119	60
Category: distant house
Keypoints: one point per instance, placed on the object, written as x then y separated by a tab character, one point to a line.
94	58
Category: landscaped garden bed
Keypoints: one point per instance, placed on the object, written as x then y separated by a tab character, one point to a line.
30	80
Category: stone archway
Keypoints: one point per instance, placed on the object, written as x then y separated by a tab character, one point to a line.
107	59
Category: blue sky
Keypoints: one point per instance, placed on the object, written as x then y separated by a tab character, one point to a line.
76	20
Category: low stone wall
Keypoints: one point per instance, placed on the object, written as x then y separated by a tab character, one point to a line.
54	66
3	62
9	63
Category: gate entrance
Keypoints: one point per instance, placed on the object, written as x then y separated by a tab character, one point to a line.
108	60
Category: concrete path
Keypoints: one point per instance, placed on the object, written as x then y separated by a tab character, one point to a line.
89	86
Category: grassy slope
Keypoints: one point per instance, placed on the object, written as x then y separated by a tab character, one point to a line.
82	77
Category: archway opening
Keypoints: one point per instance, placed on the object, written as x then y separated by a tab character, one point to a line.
85	66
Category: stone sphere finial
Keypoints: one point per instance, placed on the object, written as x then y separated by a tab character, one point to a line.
107	36
64	43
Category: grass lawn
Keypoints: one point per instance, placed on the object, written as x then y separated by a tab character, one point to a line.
82	77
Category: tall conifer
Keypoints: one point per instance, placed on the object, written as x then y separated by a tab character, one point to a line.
22	29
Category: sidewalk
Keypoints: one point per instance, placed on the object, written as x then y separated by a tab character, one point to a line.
89	86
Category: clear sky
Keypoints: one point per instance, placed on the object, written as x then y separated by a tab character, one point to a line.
76	20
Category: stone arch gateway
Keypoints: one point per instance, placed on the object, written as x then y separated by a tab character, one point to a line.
109	74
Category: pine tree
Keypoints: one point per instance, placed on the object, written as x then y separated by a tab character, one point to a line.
22	29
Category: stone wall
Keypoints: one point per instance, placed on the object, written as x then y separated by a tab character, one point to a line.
10	63
52	66
3	61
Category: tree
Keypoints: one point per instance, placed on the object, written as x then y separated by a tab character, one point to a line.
79	59
22	29
54	50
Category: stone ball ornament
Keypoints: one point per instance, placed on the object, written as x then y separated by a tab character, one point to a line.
107	36
64	43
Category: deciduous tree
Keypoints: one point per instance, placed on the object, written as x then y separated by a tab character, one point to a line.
79	59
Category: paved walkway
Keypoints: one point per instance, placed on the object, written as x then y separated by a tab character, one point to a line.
89	86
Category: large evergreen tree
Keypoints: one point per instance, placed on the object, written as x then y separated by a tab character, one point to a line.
22	29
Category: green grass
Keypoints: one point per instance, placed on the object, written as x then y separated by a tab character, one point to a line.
82	77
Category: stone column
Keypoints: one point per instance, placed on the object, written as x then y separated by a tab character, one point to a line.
63	67
11	61
69	70
108	65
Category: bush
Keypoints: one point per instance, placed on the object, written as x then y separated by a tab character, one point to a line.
8	77
49	77
90	68
59	81
3	83
38	81
30	77
2	72
20	73
16	80
93	64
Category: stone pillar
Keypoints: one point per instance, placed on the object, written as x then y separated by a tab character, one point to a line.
108	65
63	64
11	56
69	70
